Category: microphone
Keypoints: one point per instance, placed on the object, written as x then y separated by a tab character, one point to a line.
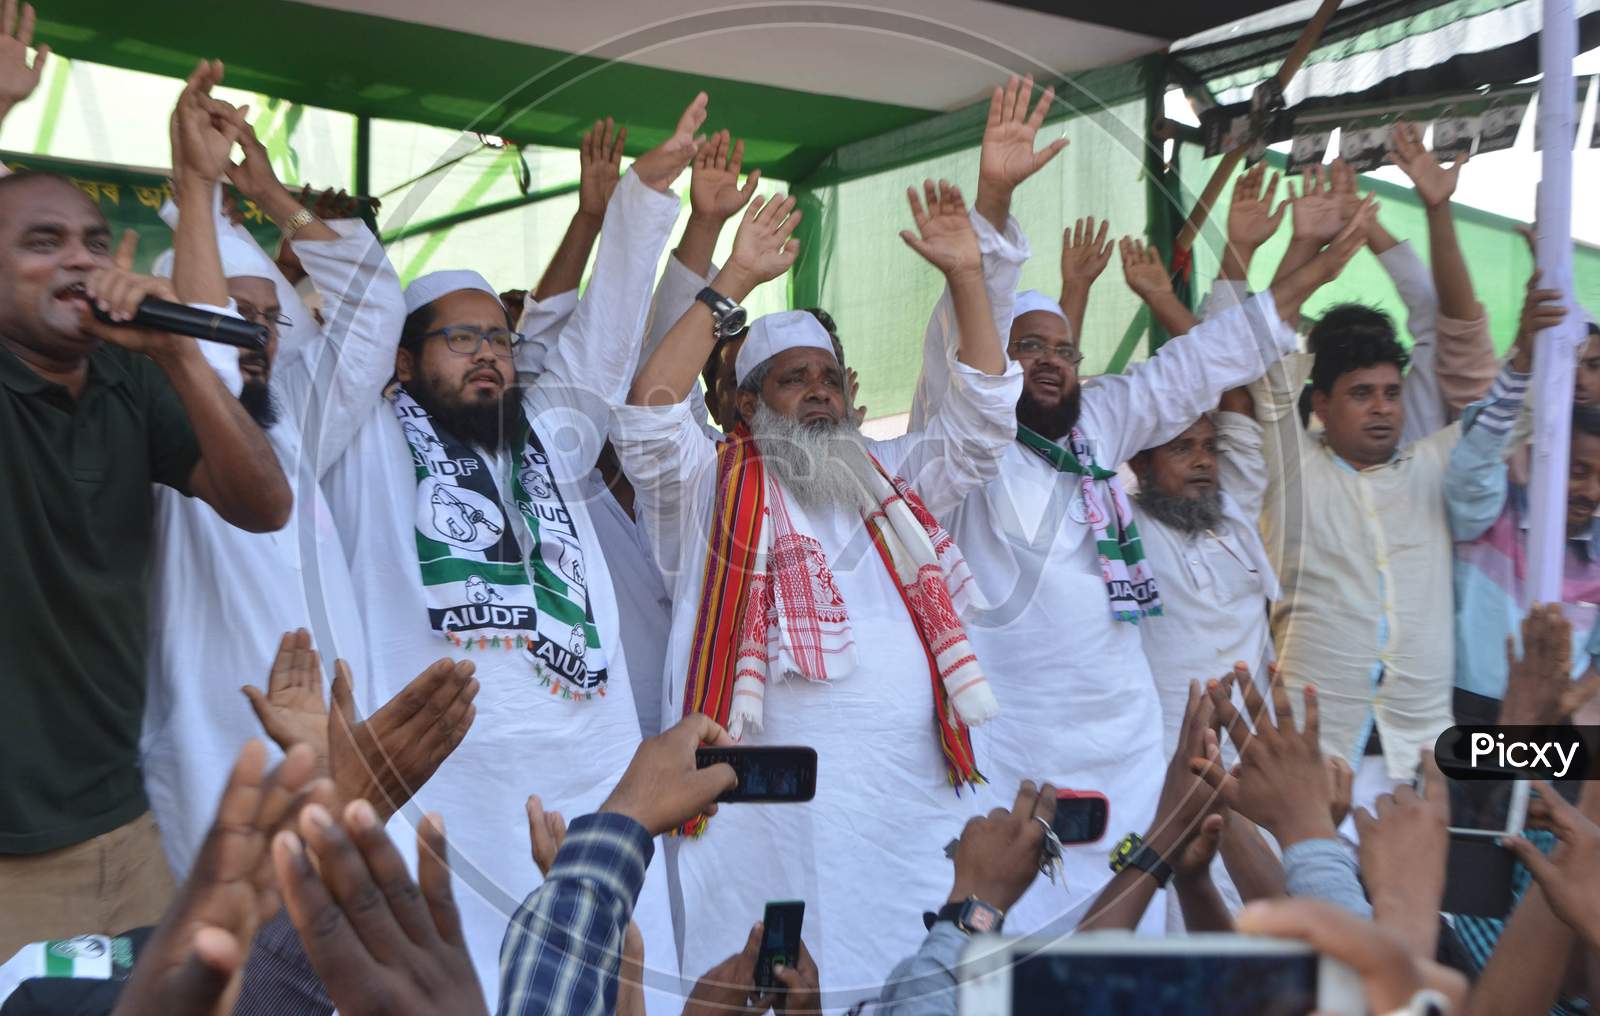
181	319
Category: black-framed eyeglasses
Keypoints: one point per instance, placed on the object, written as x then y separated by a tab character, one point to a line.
465	340
1034	347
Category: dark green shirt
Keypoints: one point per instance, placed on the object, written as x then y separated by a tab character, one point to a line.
75	542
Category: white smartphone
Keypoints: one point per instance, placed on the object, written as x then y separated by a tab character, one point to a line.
1118	973
1487	809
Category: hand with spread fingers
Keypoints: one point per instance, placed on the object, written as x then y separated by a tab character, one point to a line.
1316	210
1143	269
383	944
17	79
1391	974
599	167
385	758
1281	781
1539	685
944	235
547	830
1403	850
1252	219
661	165
1569	876
763	248
193	963
998	855
714	191
1187	802
1085	253
1434	183
1007	156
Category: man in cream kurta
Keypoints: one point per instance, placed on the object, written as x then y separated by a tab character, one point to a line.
528	738
1078	703
222	598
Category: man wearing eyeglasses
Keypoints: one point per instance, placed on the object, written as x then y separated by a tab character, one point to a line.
222	598
464	506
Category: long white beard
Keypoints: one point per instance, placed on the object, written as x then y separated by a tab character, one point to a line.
821	465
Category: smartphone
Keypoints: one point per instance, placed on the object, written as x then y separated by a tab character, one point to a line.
1123	974
780	939
1478	876
770	774
1081	816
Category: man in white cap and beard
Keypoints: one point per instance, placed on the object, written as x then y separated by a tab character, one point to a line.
462	505
222	598
1056	554
817	603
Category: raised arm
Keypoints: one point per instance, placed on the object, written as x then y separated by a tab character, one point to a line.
1147	277
17	79
1007	157
599	170
1084	255
1316	215
763	249
1251	222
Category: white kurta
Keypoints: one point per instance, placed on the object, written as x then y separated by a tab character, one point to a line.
643	605
1078	704
221	597
525	740
865	855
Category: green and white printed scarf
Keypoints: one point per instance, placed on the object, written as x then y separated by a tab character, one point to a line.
1129	581
483	594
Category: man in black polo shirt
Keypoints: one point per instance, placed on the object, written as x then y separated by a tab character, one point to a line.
90	416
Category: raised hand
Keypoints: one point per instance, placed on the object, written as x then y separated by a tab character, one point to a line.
380	942
205	129
1539	686
764	247
254	175
1570	877
1007	156
599	166
853	381
1280	782
1541	309
661	165
998	854
17	79
1403	851
1084	253
1251	218
1434	183
947	239
1142	269
293	709
1316	210
193	962
1187	806
662	787
714	191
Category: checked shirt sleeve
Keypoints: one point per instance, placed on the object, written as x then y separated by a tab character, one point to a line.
563	948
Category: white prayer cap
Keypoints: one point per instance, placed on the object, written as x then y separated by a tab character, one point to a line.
238	259
428	288
1031	300
773	333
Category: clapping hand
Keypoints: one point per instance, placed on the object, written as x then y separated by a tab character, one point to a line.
714	191
17	79
1189	814
1434	183
661	165
947	239
599	166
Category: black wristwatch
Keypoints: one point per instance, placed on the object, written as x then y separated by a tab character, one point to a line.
1133	852
728	317
971	915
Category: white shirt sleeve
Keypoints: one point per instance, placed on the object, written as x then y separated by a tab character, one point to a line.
540	326
592	364
1158	399
960	448
221	357
333	388
675	294
1419	392
668	458
1225	293
1240	466
1003	257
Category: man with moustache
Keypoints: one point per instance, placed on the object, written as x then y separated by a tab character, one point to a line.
92	416
463	506
222	598
817	602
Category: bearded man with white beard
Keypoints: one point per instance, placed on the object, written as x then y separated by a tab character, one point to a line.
817	603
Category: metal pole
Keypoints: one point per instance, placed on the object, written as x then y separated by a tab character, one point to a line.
1556	348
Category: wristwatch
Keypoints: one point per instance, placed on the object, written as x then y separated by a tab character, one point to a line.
295	223
728	316
971	915
1133	852
1425	1002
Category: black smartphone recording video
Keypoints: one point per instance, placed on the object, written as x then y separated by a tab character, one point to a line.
771	774
780	939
